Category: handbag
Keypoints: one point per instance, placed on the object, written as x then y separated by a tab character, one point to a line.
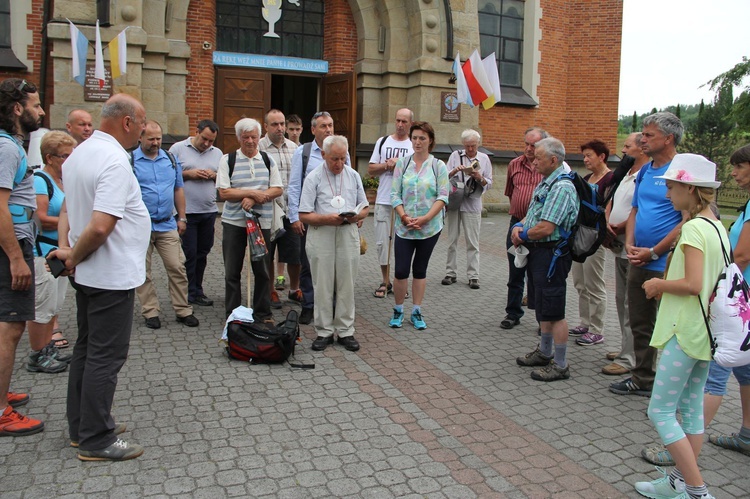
728	314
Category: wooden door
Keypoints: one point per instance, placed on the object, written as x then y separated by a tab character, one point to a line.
240	93
339	97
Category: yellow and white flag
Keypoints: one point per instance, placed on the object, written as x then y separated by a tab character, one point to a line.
118	54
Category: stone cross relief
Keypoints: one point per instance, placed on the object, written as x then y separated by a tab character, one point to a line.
272	13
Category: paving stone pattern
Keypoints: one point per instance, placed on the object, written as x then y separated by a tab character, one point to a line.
444	412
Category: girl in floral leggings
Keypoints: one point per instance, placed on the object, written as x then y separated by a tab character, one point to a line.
680	331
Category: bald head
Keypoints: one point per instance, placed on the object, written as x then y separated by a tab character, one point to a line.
80	126
404	119
124	118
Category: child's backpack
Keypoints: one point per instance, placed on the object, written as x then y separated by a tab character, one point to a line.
728	314
590	228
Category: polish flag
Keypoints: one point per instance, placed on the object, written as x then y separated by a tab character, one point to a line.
476	78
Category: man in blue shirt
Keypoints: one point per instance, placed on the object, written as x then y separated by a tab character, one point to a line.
651	230
160	176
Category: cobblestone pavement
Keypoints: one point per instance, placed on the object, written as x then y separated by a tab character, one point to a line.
444	412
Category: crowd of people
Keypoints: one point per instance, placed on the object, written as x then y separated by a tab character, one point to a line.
103	226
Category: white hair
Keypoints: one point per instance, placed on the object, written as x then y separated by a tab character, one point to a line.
470	134
246	125
335	140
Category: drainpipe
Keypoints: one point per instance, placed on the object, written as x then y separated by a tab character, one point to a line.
45	54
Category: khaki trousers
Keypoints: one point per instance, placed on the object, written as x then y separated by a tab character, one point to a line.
471	223
168	245
334	263
588	279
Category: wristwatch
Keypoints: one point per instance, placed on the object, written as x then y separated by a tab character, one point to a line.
184	220
654	256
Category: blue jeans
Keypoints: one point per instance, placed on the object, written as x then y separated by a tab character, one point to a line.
716	384
197	241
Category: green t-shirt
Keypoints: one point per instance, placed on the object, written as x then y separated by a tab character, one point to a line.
681	315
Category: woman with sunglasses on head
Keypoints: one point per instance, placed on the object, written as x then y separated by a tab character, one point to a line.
680	331
45	355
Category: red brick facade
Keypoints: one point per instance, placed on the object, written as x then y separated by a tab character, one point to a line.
201	26
340	42
579	79
34	22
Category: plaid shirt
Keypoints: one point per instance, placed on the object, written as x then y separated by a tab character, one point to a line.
556	204
282	155
521	182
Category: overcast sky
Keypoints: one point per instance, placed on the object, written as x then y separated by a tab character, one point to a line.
672	47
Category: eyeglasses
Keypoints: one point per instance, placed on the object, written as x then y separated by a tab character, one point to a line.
321	113
23	85
61	156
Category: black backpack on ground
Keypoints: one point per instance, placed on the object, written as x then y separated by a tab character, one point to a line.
259	343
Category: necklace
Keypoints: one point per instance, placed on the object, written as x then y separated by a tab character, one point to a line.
337	202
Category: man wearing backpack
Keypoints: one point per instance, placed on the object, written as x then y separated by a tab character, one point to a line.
159	175
20	114
249	184
382	162
553	209
306	158
651	229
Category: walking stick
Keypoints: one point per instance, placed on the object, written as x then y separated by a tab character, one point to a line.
249	271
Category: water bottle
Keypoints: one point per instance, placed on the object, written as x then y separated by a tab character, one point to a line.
255	238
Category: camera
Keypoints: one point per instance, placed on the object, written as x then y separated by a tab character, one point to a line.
207	45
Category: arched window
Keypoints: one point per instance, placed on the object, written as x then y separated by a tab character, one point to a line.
271	27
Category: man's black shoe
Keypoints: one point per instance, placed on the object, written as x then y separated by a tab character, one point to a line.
321	343
509	322
153	323
349	343
202	301
306	316
188	320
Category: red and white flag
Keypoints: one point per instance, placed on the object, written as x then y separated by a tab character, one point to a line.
99	58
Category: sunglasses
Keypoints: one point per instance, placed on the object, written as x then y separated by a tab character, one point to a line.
61	156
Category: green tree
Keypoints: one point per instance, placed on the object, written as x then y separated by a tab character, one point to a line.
710	134
677	111
735	77
634	125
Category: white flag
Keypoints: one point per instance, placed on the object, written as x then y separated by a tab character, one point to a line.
99	58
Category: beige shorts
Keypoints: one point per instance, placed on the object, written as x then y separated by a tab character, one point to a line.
49	292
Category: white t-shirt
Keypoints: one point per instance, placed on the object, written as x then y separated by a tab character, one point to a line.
622	204
98	177
391	149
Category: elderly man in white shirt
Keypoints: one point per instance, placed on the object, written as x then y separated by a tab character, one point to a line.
330	198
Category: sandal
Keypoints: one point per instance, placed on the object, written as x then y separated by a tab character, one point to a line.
381	291
657	455
60	342
390	289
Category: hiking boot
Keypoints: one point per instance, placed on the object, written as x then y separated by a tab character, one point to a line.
474	283
14	424
153	323
349	342
118	451
417	321
119	428
306	316
275	302
280	283
397	320
535	358
657	455
578	331
509	322
321	343
589	339
65	357
188	320
732	442
552	372
44	362
628	387
660	488
296	296
17	399
448	280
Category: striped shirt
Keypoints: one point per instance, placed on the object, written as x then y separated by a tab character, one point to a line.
557	204
282	155
248	174
522	179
